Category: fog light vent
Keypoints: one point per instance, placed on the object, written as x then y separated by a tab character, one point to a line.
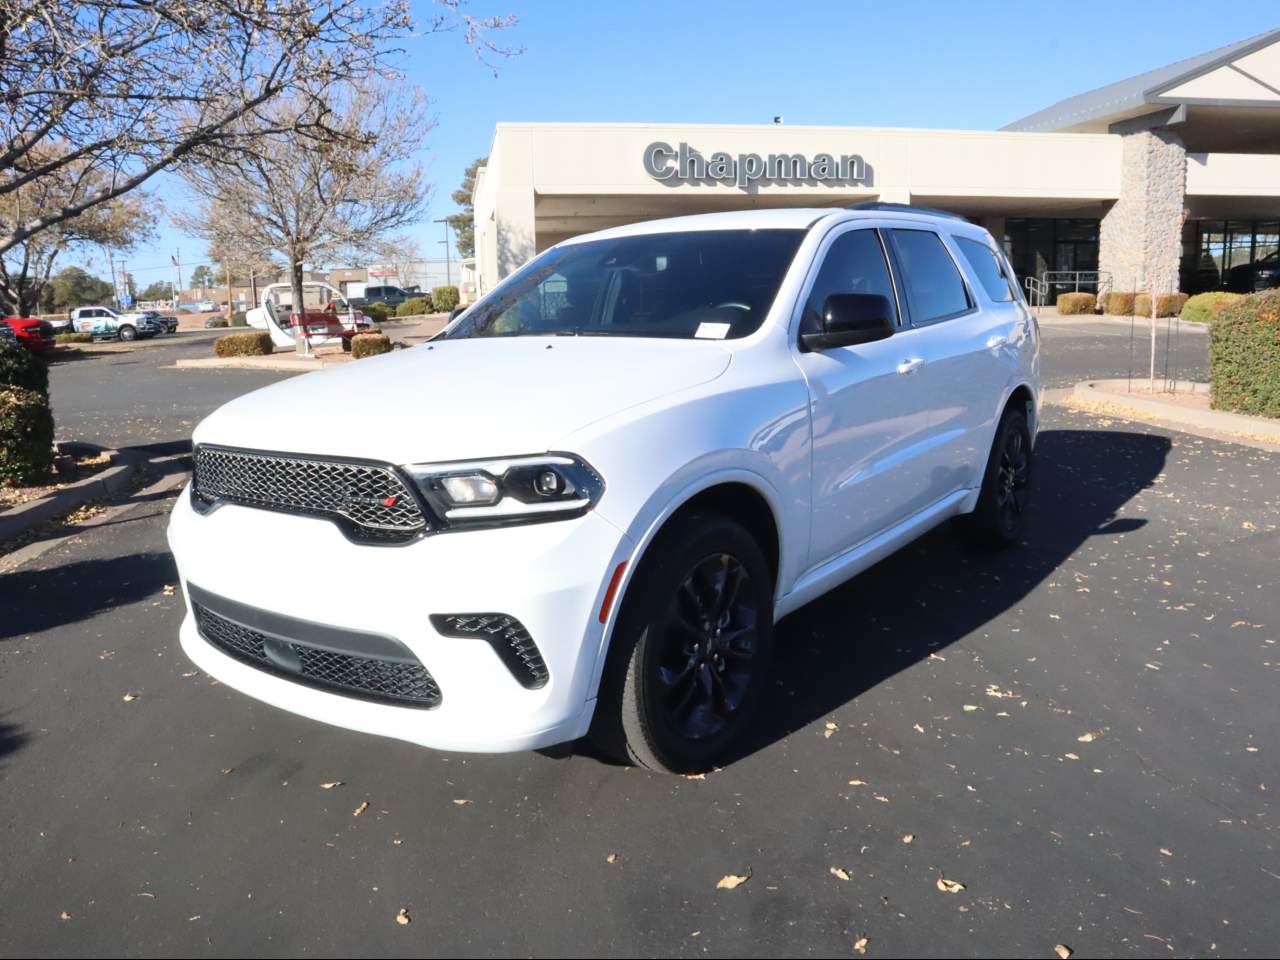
508	637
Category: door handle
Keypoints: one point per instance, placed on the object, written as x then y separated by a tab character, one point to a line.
996	340
910	365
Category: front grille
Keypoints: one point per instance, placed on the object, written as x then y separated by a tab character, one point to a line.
368	501
508	637
370	678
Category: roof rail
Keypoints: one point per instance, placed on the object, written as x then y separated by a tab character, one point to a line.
904	208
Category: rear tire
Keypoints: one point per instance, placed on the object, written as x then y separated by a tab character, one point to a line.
128	333
691	649
998	518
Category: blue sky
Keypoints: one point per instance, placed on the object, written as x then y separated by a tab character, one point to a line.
911	64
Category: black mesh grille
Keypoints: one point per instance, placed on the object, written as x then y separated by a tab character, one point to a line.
508	637
369	501
407	684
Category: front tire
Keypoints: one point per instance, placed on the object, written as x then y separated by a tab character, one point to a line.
691	649
128	333
998	518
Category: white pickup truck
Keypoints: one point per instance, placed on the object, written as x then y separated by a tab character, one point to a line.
105	322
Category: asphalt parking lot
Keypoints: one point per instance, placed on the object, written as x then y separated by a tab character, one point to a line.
1079	737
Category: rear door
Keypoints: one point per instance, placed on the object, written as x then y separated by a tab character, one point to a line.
869	428
960	377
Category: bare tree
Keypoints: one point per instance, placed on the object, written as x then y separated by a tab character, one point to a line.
310	201
401	253
133	88
118	224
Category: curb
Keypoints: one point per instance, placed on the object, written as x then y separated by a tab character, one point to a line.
1240	428
124	465
1140	324
290	363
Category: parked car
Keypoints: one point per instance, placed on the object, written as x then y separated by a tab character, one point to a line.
206	306
591	496
35	335
1262	274
168	324
107	323
391	296
61	324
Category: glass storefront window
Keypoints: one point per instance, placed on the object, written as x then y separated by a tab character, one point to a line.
1223	255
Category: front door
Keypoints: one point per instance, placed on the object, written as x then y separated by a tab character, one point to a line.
869	426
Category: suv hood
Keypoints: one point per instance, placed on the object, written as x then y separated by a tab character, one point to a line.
462	399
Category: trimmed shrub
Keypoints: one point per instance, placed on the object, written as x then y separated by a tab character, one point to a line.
218	323
19	367
1167	304
377	311
256	344
26	436
1119	304
444	299
1071	304
1203	307
1244	355
414	307
240	319
81	337
369	345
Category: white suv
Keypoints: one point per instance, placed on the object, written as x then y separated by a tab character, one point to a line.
585	503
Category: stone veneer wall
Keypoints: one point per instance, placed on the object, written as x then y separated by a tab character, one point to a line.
1140	240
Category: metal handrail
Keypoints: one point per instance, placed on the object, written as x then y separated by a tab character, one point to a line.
1036	290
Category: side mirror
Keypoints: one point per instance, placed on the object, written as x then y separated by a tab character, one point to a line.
851	318
453	314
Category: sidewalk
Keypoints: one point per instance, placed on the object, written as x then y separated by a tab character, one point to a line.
1187	408
1050	317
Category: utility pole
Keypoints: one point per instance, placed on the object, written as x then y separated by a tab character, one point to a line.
448	273
177	265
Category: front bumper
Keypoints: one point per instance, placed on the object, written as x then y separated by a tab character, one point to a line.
551	576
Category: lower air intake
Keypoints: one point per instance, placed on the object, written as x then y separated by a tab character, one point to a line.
508	637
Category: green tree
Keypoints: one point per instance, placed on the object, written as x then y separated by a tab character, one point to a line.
73	287
202	276
464	223
159	290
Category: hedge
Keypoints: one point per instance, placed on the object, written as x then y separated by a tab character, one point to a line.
1119	304
1167	304
218	323
1244	355
82	337
256	344
414	307
1071	304
369	345
19	367
26	436
1203	307
444	299
376	311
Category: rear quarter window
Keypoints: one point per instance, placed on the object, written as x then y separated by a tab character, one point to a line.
987	268
935	289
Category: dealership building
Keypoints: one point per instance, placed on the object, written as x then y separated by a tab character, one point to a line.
1167	180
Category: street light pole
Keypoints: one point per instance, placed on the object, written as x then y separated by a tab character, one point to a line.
448	273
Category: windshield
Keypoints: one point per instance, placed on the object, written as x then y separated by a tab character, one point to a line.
712	284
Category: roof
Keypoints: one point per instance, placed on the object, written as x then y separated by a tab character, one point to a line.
1126	98
776	218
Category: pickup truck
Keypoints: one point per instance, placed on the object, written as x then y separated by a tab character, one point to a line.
108	323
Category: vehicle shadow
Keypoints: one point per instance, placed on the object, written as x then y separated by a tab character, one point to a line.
11	738
881	622
82	588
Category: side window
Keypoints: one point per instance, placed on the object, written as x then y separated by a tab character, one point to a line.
987	267
935	290
854	264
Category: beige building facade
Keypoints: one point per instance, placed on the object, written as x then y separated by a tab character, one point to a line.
1167	180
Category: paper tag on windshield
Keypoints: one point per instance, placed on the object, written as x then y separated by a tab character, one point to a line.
712	331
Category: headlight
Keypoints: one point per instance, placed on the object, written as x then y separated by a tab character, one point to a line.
508	490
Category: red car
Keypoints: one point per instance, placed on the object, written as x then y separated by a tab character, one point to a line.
35	335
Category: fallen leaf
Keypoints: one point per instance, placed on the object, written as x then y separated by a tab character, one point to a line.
226	770
1062	950
130	697
831	728
881	798
908	838
857	783
64	915
190	673
460	803
364	805
1071	756
1085	738
402	917
1166	851
731	881
860	946
695	776
969	708
839	872
612	858
949	886
397	841
168	589
331	784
